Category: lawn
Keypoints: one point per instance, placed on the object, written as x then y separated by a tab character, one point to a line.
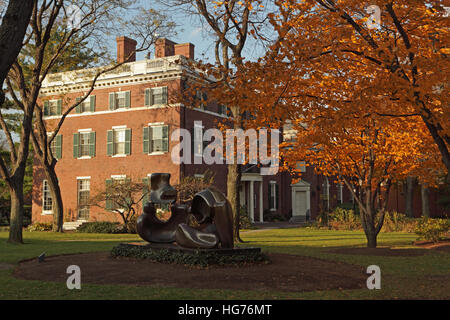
412	277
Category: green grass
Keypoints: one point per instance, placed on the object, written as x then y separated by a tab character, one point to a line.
418	277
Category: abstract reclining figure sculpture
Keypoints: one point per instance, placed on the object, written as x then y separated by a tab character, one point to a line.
209	207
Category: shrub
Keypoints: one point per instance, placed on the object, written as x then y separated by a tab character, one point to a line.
197	258
432	229
398	222
342	219
272	216
244	219
100	227
40	226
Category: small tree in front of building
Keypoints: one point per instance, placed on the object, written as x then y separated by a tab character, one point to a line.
122	197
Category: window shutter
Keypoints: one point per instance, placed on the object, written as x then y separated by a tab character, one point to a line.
165	138
109	143
59	106
78	107
109	203
127	99
128	141
146	140
112	101
277	205
92	144
58	149
145	191
76	147
45	108
165	95
148	93
92	104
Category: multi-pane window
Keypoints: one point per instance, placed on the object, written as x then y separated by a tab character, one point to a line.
56	147
156	139
118	141
273	195
119	100
84	187
88	105
113	200
47	204
155	96
52	107
84	144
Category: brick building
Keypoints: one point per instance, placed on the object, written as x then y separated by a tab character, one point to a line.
123	131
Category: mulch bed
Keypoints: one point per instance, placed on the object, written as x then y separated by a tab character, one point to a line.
285	273
424	248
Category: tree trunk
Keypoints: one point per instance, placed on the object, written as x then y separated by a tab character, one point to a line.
409	196
425	200
233	182
16	215
57	204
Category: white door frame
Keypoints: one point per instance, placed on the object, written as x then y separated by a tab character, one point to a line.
303	186
252	178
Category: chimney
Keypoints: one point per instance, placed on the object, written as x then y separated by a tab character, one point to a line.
185	49
164	48
125	47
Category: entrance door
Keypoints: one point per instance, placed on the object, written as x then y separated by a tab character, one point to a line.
300	204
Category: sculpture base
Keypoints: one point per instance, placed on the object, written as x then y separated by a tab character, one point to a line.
173	247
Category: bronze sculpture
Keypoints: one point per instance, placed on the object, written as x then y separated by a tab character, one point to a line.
209	207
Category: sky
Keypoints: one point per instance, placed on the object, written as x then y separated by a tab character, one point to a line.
190	30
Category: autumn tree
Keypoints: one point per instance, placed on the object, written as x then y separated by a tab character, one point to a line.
231	24
366	101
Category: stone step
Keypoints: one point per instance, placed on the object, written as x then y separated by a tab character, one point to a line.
298	219
73	225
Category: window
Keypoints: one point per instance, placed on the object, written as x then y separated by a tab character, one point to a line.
223	109
56	147
47	204
273	195
155	96
113	200
201	98
156	139
84	187
326	193
88	105
119	100
84	144
119	142
53	107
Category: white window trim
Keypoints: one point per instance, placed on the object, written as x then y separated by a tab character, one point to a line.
83	178
85	130
158	105
119	155
158	124
118	176
272	184
45	212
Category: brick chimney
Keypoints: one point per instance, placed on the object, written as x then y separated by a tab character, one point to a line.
166	48
125	47
185	49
